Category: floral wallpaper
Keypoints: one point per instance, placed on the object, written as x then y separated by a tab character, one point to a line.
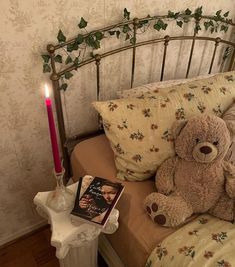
26	27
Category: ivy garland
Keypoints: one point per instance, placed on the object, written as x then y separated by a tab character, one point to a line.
218	22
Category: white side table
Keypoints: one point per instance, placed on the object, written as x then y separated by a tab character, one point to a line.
76	245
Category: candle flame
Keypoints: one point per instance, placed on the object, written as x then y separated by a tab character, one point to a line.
47	94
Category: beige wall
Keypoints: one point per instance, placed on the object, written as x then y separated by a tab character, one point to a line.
26	27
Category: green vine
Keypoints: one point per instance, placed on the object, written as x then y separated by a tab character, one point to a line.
90	41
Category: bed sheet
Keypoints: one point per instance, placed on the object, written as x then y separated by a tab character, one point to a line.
137	235
206	241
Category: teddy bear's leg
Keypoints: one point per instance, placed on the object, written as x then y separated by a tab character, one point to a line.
167	210
223	209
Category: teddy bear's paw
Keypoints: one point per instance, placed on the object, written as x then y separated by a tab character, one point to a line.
154	207
167	211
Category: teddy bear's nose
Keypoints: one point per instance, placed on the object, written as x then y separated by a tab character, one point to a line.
205	150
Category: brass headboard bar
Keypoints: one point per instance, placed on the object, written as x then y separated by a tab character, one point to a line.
135	24
217	41
197	21
105	29
231	63
159	40
97	62
166	42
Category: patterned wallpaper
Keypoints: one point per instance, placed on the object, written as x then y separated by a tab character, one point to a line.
26	27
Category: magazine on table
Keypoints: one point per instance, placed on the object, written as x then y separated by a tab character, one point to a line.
96	198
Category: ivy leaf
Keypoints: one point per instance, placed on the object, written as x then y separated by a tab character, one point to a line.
68	75
126	28
99	35
96	44
226	14
160	25
80	39
112	32
170	14
197	28
60	37
46	58
126	14
68	60
133	40
211	22
187	12
75	46
224	28
70	47
206	25
179	23
142	23
63	86
218	13
46	68
76	61
198	12
173	15
82	24
89	39
176	15
212	30
127	36
58	58
118	34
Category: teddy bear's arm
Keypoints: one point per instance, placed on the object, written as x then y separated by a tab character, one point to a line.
229	172
164	179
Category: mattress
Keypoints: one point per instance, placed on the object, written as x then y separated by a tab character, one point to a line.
137	235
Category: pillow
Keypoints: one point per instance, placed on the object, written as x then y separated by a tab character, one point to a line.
137	91
229	117
139	129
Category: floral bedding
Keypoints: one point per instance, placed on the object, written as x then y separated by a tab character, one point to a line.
204	242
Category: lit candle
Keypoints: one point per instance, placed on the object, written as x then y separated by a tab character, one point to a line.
54	143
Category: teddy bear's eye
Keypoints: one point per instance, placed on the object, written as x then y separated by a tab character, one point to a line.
197	140
215	143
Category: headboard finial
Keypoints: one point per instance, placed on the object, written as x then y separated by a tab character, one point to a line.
135	21
50	48
97	58
54	77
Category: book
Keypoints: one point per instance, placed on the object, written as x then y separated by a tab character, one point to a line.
95	199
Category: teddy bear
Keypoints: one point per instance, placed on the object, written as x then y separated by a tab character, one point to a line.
197	179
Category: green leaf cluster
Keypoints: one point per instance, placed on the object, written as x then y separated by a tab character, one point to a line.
160	25
93	39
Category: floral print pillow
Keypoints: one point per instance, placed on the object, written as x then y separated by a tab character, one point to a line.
139	129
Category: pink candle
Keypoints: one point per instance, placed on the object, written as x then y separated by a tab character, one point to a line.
54	143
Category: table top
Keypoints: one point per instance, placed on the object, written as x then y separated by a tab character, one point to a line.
67	234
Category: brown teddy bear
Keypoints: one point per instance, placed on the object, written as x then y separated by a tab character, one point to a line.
197	179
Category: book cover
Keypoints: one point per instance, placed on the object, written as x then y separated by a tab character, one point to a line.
95	199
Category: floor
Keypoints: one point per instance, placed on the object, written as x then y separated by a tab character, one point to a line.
33	251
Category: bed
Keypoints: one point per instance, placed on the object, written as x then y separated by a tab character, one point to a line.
94	154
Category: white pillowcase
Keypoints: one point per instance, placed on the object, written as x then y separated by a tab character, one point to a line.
138	91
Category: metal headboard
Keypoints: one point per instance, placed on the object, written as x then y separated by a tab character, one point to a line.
55	76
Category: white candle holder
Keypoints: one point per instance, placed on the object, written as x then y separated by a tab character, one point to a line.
61	198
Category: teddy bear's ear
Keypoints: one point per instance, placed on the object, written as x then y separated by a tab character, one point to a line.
177	127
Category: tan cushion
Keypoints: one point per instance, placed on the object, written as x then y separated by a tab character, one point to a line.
139	129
